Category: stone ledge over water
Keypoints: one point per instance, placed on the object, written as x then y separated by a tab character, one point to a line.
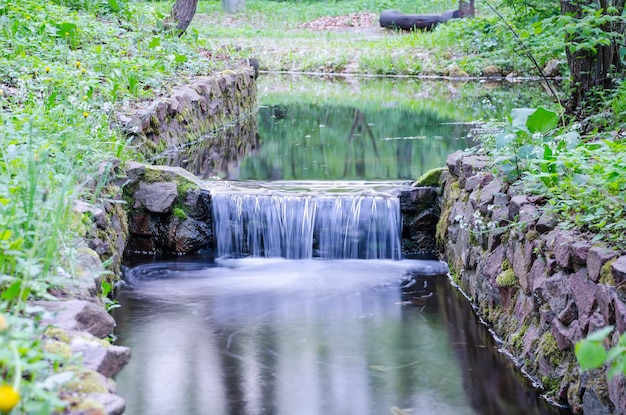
540	287
207	103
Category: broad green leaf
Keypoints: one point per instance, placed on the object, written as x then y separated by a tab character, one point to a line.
542	121
599	335
181	58
114	5
615	352
590	355
519	117
13	291
504	139
156	41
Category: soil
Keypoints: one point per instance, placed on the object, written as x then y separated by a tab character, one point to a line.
352	20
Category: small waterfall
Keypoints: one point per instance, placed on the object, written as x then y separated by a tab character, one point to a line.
300	227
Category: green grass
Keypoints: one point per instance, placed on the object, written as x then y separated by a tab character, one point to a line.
272	32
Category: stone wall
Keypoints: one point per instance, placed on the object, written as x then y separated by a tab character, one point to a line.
540	287
204	106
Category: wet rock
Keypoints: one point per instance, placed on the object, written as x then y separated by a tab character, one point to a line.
569	313
493	264
617	393
584	292
491	71
592	404
596	322
140	224
105	359
473	183
579	251
112	404
556	291
528	215
453	161
473	164
515	206
536	273
566	336
547	222
620	313
618	269
562	249
158	197
596	258
487	194
79	315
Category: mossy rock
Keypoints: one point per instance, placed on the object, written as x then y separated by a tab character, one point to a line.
58	348
430	178
507	278
86	381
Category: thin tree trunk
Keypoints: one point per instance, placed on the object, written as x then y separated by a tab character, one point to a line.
466	9
182	13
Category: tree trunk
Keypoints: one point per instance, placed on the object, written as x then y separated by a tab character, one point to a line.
589	70
182	14
234	6
466	8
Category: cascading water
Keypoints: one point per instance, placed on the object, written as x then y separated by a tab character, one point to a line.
300	227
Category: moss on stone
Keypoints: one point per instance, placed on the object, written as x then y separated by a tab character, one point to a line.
549	349
86	381
179	213
507	278
453	192
430	178
606	275
58	348
57	334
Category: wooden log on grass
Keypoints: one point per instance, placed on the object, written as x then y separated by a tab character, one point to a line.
395	19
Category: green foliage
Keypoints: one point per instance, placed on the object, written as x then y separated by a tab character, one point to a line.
31	371
584	181
592	353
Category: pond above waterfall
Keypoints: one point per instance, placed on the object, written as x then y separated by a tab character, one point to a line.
353	128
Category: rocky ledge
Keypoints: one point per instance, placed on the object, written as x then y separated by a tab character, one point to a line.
542	288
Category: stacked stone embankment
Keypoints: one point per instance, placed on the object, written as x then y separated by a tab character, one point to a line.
541	287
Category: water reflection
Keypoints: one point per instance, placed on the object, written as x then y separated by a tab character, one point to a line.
274	336
311	128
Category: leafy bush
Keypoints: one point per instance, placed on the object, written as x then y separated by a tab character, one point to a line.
592	353
585	181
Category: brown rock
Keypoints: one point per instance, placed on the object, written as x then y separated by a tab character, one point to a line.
618	269
547	221
156	197
107	360
562	249
584	292
565	336
596	258
78	315
579	252
515	205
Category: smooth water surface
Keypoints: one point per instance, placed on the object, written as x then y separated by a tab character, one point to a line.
353	128
309	337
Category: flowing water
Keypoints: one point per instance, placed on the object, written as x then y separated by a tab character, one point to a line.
310	337
309	308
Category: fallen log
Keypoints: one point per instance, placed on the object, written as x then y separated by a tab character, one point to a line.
397	20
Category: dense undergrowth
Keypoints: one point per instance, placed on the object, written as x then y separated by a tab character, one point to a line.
66	67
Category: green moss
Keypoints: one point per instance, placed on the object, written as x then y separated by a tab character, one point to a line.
430	178
549	349
518	337
59	348
452	193
550	385
57	334
606	275
179	213
86	381
507	278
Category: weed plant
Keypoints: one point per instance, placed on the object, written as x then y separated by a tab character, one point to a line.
65	68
